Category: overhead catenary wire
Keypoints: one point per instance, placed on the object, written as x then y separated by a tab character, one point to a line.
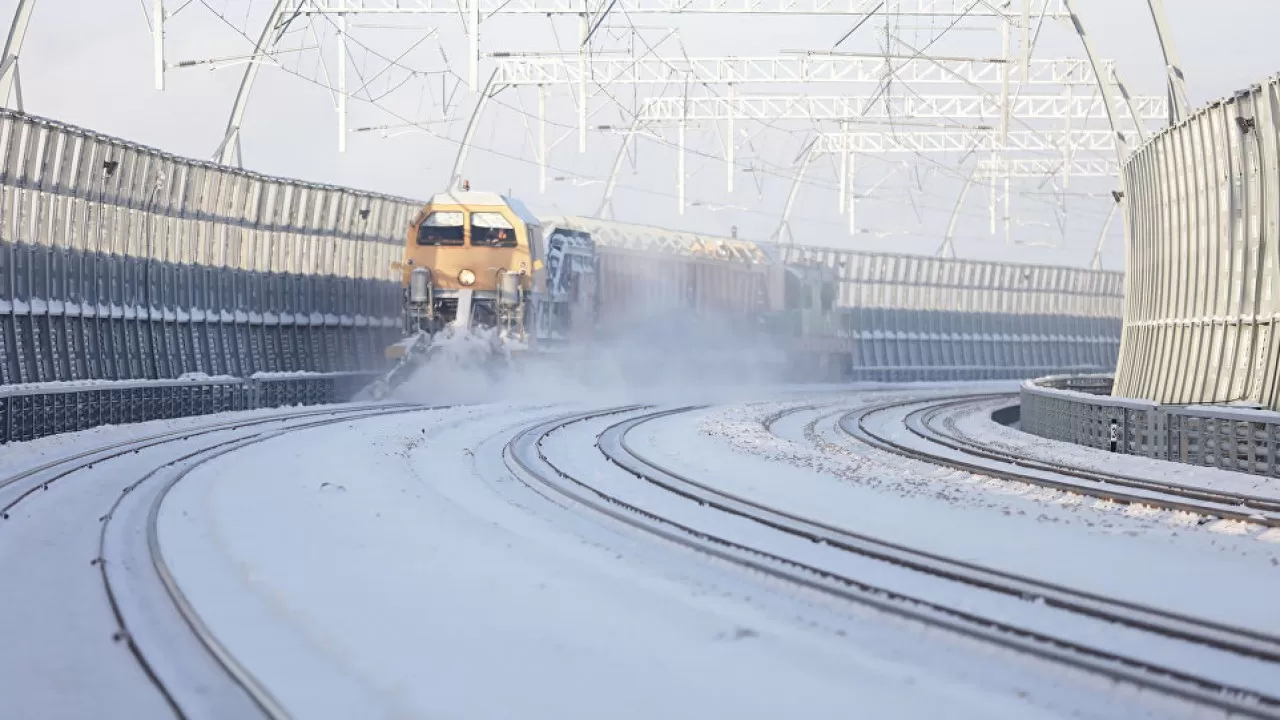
758	165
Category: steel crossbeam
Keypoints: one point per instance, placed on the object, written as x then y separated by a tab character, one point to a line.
963	141
1044	167
918	107
606	70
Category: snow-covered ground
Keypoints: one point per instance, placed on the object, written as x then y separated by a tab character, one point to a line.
66	653
1143	555
397	567
394	569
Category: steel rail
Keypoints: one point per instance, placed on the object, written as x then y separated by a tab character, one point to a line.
1243	641
239	674
255	432
530	465
920	423
110	451
1113	488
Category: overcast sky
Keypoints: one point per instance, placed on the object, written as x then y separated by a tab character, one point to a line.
88	62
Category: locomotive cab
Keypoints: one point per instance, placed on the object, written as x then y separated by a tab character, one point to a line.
470	261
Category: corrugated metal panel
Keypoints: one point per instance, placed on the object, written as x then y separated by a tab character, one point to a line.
1202	217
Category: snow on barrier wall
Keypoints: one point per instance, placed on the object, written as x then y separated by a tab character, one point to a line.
122	264
1080	409
1204	284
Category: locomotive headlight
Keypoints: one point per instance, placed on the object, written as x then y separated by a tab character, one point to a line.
467	278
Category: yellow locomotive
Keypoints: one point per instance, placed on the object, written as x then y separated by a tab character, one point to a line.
482	261
469	258
481	266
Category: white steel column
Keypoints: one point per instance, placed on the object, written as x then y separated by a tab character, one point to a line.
1066	145
542	138
473	34
12	49
853	190
729	141
1008	213
844	165
583	30
992	204
157	40
1005	35
1002	144
342	82
680	168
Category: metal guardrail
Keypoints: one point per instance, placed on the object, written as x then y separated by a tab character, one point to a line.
1078	409
29	412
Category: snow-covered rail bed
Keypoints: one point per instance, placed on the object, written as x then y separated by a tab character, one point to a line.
1242	641
968	423
92	625
1141	646
914	429
398	570
750	560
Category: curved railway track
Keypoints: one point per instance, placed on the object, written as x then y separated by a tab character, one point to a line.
924	423
153	619
937	448
529	462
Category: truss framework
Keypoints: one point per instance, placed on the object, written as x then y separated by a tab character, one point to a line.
965	141
558	70
1000	82
940	107
1045	167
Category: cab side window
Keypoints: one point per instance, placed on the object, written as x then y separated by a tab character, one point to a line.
491	229
441	228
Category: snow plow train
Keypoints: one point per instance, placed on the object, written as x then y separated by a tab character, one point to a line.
480	266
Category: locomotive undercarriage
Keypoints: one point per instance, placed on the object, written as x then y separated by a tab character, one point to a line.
481	310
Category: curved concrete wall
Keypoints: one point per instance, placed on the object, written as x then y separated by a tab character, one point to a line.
1202	307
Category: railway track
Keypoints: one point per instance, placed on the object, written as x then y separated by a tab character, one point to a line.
152	620
925	422
937	448
527	459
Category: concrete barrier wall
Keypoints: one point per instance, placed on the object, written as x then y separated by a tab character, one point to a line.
1203	289
1080	410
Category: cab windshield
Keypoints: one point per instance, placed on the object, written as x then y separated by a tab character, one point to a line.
441	228
491	229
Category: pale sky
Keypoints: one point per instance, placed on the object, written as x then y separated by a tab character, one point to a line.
89	62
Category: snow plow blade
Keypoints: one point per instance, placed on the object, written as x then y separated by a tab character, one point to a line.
408	353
